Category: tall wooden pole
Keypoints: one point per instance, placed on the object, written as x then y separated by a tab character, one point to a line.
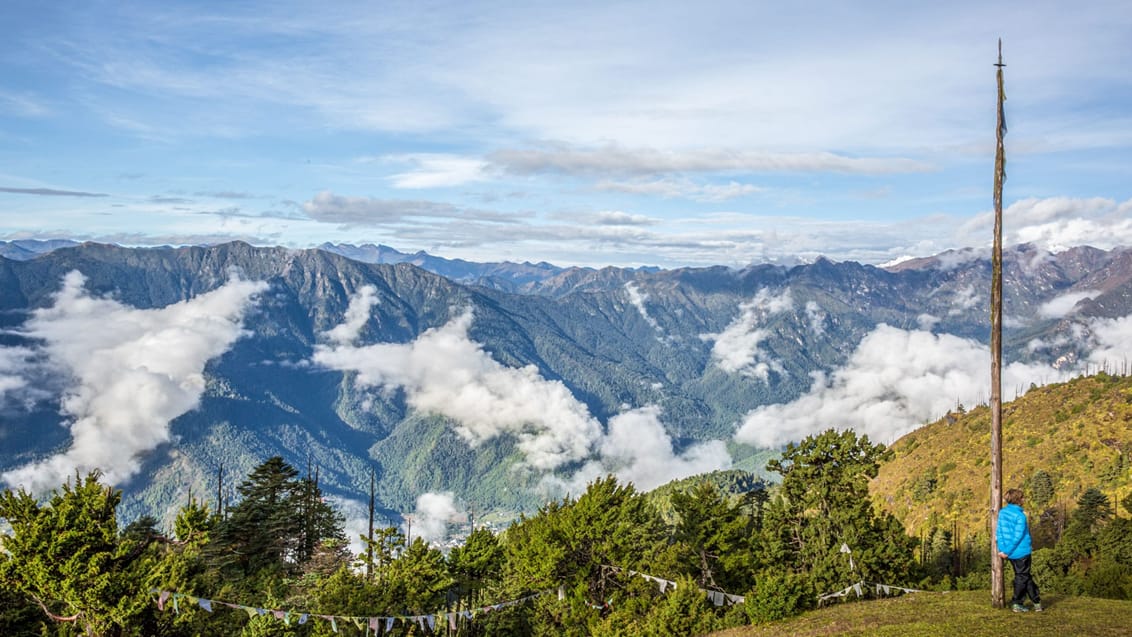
369	533
998	584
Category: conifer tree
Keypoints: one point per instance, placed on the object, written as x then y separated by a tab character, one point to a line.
67	556
719	537
824	503
278	524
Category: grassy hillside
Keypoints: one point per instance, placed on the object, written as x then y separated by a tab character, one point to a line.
1078	432
967	613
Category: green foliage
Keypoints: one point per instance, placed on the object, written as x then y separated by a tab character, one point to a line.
475	566
777	595
277	525
416	582
67	556
823	504
568	542
717	537
1041	489
684	611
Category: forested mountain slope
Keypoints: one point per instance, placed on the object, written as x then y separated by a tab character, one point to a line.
684	356
1058	440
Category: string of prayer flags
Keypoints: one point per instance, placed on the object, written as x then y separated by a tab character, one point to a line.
858	589
719	598
425	622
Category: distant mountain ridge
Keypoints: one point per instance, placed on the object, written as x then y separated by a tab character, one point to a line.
614	338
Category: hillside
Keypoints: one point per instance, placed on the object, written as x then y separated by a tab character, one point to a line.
967	613
1078	432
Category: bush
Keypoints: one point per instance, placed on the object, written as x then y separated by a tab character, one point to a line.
973	581
778	596
1109	580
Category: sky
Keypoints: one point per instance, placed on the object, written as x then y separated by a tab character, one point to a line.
606	133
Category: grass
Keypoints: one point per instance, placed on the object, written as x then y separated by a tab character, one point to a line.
965	613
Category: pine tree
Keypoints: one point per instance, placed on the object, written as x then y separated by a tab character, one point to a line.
475	564
278	525
67	556
719	537
823	503
1041	490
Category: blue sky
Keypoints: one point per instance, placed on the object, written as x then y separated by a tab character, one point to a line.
577	133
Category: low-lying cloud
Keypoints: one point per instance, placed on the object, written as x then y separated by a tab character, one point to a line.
13	362
444	372
1063	305
433	514
1110	343
637	299
737	348
131	371
637	449
895	381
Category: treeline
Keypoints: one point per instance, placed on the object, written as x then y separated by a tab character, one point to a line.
572	568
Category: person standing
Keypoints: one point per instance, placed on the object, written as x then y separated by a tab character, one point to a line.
1013	538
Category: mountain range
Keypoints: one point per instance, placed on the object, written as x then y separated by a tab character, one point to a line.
177	370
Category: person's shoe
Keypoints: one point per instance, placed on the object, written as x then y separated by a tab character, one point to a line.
1037	608
1018	608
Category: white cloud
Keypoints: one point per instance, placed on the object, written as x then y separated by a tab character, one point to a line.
355	523
446	373
637	299
638	450
953	259
440	171
612	218
926	322
13	363
617	160
680	189
815	317
133	371
895	381
357	314
1111	343
1058	223
736	348
1063	305
963	300
433	514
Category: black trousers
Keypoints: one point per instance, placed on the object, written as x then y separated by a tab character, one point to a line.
1024	584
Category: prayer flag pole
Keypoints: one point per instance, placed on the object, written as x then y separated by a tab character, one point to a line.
998	595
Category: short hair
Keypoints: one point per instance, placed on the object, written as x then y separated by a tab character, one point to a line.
1013	496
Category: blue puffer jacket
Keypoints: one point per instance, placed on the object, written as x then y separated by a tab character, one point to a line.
1013	533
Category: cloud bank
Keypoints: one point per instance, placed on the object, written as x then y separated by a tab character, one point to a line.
1110	342
13	360
131	371
637	449
444	372
1063	305
895	381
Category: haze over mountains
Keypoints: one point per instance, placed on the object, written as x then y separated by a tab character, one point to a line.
499	385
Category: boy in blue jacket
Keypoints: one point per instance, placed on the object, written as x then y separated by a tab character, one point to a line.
1013	538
